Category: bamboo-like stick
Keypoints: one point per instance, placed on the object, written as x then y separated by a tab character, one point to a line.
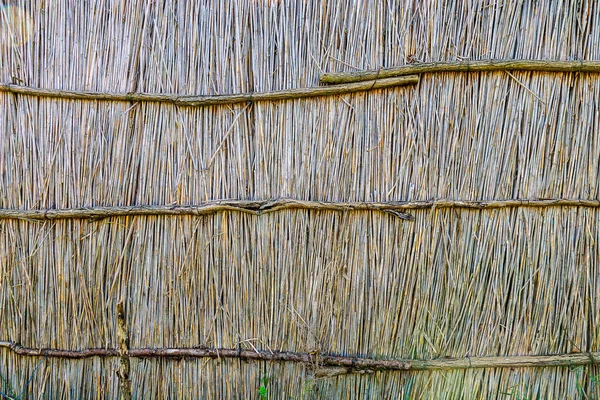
258	207
123	351
351	363
197	101
463	66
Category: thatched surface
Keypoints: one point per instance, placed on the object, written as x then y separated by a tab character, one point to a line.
450	283
274	161
345	290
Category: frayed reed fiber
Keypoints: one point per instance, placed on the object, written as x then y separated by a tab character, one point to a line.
584	66
454	282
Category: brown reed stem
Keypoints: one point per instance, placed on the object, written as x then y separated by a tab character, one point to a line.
463	66
351	363
198	101
123	352
258	207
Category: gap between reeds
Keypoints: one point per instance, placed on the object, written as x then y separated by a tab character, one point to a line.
258	207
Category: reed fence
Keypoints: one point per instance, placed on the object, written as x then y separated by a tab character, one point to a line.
308	199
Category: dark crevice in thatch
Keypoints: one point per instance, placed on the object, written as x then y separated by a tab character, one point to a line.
258	207
351	363
207	100
464	66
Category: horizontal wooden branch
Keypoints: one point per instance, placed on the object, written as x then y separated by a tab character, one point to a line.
463	66
351	363
197	101
258	207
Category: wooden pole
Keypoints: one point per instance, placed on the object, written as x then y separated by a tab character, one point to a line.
208	100
463	66
351	364
258	207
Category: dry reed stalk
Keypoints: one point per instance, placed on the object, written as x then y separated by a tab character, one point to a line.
211	100
584	66
350	363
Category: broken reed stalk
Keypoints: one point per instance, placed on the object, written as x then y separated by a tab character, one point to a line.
207	100
258	207
351	363
123	352
463	66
